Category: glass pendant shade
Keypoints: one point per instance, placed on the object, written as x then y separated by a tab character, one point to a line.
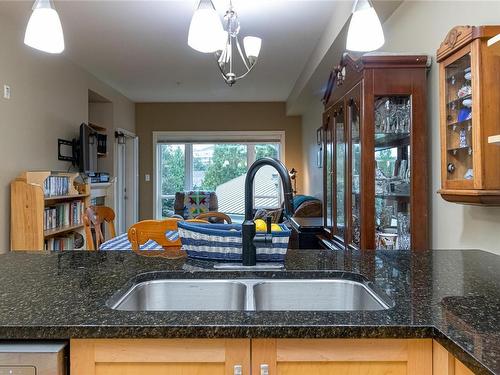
44	31
365	30
205	29
252	46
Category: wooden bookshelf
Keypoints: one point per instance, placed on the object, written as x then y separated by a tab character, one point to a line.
28	202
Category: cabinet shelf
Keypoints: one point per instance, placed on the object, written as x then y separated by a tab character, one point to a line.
384	141
68	228
65	197
458	100
402	197
461	123
457	149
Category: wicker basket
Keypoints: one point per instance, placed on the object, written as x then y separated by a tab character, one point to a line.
223	242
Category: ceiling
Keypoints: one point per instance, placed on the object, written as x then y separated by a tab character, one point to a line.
140	47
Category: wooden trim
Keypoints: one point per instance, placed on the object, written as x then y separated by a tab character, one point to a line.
460	36
477	117
153	350
82	353
494	139
264	352
367	179
419	357
237	352
346	350
443	363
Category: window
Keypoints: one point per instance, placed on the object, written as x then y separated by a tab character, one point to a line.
218	164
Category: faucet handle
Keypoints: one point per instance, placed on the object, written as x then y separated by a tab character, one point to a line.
268	224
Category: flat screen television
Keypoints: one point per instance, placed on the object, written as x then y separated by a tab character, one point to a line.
87	149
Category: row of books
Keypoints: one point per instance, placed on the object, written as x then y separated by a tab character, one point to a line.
62	215
56	185
62	243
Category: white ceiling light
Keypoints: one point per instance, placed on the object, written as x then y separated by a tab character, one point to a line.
44	31
205	28
365	30
212	38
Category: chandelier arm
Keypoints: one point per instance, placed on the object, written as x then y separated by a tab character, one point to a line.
241	53
221	70
248	71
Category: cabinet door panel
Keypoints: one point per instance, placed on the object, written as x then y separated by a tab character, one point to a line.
159	369
342	356
344	368
151	356
340	180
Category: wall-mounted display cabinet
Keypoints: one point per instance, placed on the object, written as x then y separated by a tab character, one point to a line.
375	153
470	112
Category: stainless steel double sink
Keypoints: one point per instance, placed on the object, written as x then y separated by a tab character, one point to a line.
250	295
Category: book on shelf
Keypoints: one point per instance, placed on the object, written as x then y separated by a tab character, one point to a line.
61	243
56	186
63	215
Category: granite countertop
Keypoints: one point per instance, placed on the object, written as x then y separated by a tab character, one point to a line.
452	296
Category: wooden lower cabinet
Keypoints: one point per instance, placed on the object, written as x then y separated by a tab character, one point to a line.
262	357
342	356
159	357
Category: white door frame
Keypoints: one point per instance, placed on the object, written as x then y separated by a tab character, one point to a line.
135	175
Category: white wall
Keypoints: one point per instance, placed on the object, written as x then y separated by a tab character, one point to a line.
421	27
49	101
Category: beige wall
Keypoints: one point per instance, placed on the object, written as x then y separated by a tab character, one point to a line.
420	26
49	101
313	176
210	116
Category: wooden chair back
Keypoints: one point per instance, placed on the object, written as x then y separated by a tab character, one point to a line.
143	231
96	216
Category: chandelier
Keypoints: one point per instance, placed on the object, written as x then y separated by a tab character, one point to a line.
207	35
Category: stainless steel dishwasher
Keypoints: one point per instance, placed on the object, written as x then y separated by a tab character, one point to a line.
33	358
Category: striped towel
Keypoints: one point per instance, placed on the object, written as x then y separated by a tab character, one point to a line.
121	243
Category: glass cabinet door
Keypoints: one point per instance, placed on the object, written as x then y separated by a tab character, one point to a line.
458	97
328	173
392	172
340	174
355	150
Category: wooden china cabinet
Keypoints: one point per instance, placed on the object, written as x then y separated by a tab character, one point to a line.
375	153
470	112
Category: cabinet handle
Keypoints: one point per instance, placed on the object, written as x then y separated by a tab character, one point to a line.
237	370
264	369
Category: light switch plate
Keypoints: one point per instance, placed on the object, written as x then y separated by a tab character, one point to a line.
147	177
6	92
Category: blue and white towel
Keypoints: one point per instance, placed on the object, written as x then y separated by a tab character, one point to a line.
122	243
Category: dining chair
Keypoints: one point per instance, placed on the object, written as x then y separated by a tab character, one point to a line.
219	216
94	217
157	230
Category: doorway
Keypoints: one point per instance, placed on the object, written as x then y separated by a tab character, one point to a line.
127	179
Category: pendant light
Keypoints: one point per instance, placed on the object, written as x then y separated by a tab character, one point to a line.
44	31
205	30
365	30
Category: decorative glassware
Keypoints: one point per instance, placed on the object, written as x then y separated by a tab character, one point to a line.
404	237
